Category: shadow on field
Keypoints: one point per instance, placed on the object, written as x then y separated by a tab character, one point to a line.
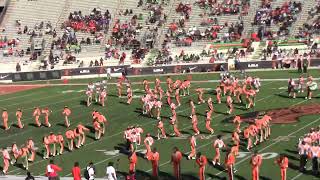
83	102
185	132
239	177
141	175
264	178
292	151
213	176
61	124
291	157
40	154
91	128
123	149
31	124
293	166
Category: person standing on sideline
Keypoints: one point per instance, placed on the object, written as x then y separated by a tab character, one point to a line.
52	171
303	152
202	162
154	158
176	157
111	172
132	166
89	174
283	162
314	152
76	171
256	161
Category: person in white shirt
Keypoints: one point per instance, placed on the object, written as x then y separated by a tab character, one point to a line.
91	171
111	172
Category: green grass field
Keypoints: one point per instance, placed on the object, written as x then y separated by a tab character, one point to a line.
272	95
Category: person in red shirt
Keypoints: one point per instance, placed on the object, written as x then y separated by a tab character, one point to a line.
66	112
283	162
256	161
176	157
19	116
6	160
70	139
169	83
31	149
5	119
154	158
76	171
201	162
36	115
132	166
52	170
46	144
103	122
46	111
161	131
229	163
60	140
97	128
129	94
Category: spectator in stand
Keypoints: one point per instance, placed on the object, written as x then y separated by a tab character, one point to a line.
76	171
18	67
52	171
283	17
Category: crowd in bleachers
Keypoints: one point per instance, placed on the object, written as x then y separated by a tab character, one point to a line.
225	7
312	26
134	31
283	17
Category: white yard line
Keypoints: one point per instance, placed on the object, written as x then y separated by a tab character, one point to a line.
300	174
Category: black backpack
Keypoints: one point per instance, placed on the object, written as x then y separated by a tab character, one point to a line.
86	173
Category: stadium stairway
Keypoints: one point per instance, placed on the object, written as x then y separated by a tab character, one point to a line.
303	17
30	13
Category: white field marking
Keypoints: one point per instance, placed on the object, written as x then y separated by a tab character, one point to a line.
300	174
276	142
73	91
116	152
137	90
283	138
284	87
107	137
267	155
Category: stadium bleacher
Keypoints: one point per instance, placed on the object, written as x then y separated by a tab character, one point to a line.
135	27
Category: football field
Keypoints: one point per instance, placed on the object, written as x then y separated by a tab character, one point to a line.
272	95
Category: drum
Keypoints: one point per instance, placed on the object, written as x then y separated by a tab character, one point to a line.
313	86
